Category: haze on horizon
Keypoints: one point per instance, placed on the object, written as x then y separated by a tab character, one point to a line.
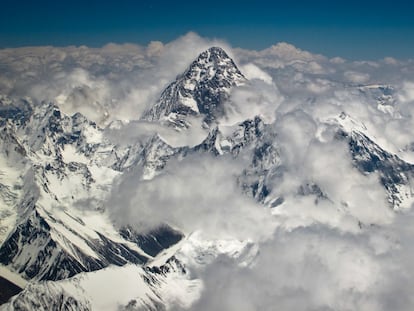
349	29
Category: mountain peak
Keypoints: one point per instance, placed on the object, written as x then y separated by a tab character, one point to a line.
213	63
215	53
216	49
201	90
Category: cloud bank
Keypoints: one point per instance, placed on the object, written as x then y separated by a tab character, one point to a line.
344	250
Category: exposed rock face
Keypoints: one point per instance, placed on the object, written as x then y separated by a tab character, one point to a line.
202	90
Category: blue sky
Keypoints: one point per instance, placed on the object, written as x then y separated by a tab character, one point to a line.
351	29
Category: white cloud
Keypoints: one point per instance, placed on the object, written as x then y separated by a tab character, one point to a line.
349	251
306	269
407	92
356	77
288	52
390	61
258	98
337	60
155	48
199	193
251	72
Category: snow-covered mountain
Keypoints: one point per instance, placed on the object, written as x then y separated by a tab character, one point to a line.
57	173
395	174
201	90
61	171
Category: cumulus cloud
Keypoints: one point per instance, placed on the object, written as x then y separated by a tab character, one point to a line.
314	267
337	60
390	61
407	92
198	193
258	98
356	77
309	268
282	51
132	132
341	248
76	91
251	72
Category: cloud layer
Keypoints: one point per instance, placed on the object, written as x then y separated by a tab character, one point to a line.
347	251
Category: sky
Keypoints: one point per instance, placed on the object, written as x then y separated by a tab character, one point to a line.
350	29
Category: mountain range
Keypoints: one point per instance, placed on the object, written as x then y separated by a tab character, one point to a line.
58	173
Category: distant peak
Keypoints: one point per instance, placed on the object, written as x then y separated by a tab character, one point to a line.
216	50
215	55
202	90
214	63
